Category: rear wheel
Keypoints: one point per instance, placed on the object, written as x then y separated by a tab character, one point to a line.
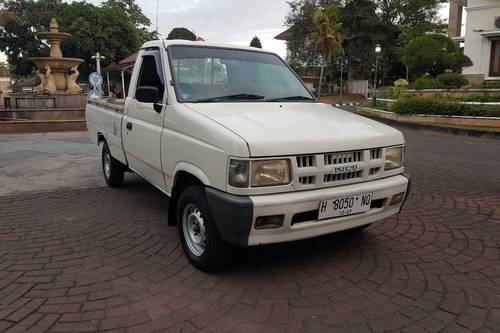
113	169
200	239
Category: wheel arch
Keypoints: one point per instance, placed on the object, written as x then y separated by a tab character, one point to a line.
100	138
183	178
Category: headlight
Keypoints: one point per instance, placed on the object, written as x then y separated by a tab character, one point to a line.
263	173
393	158
270	172
238	173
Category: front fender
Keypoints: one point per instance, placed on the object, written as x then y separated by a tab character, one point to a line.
193	170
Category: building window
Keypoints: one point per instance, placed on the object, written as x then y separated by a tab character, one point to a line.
495	58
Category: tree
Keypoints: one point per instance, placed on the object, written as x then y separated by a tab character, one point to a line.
256	42
362	29
300	25
433	54
327	36
181	33
404	21
136	16
421	15
115	29
365	23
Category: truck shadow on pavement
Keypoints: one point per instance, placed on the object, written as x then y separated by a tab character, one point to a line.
332	248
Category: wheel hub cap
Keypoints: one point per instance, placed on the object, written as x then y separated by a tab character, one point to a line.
193	227
107	165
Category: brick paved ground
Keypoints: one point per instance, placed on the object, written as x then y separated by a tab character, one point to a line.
102	259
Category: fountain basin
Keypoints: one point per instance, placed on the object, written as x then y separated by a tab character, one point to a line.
53	35
59	68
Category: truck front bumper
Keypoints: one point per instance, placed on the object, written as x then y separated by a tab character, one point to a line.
235	216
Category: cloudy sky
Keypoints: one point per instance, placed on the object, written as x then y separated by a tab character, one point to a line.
223	21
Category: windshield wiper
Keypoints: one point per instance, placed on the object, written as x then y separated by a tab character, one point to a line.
290	98
230	98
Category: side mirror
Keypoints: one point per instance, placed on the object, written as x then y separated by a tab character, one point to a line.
147	94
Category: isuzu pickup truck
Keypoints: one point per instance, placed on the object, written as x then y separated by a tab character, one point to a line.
245	152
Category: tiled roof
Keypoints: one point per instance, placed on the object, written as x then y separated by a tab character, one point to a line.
284	35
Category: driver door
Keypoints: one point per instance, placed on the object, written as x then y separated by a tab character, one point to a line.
142	125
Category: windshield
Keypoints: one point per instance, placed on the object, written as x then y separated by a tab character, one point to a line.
207	74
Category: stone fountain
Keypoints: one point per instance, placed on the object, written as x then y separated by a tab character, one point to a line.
57	103
57	74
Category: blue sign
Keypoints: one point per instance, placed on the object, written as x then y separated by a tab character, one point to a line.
95	79
94	93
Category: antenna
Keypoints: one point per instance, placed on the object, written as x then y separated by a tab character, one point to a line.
157	12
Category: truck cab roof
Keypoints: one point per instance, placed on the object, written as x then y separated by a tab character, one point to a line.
168	42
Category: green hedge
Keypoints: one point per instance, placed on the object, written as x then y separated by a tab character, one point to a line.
386	92
452	80
434	106
489	85
482	98
425	82
443	81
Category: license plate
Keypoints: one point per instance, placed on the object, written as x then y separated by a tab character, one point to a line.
344	206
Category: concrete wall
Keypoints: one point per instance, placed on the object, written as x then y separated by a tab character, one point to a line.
358	87
58	101
42	126
480	16
4	83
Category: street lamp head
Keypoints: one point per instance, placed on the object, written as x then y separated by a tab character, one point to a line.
378	49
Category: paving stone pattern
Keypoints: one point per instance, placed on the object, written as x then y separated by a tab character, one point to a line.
102	259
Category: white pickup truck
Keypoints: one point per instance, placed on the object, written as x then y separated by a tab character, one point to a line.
244	151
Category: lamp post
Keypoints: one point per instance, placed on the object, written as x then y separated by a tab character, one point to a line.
342	62
98	57
378	50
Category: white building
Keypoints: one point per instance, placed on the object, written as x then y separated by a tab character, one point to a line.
481	39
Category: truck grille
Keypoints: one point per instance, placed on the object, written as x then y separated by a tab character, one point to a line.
337	168
342	158
305	161
342	176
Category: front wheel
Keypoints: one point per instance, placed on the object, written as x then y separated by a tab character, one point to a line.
201	241
113	169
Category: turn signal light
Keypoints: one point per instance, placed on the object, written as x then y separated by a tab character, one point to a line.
269	222
398	198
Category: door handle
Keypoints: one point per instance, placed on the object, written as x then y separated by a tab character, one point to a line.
129	126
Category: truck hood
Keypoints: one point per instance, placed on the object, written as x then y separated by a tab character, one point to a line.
274	129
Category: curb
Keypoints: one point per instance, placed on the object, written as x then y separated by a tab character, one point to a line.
345	104
437	128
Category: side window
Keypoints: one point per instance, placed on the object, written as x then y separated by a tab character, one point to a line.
151	73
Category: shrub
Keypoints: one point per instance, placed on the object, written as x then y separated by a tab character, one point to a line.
433	54
386	92
400	87
451	80
432	106
425	82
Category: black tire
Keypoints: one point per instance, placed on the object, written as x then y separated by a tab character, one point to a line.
191	206
115	174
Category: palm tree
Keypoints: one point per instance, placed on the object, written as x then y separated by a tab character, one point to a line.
327	36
